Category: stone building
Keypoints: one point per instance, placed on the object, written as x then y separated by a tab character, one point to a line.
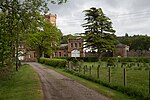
74	48
121	50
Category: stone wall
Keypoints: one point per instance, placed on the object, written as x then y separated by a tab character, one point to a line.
138	53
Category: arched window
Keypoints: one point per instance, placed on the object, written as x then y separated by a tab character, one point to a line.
75	53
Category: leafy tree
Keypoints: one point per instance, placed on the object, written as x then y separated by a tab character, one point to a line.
45	40
140	43
64	39
136	42
17	18
99	33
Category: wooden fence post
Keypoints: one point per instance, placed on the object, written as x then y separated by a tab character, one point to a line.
98	71
90	70
68	65
79	69
84	69
124	76
149	82
109	73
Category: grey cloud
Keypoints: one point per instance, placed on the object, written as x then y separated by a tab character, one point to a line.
130	16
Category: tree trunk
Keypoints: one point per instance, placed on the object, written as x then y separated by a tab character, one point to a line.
99	53
43	54
17	36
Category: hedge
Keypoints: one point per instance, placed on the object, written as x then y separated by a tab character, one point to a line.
53	62
86	59
127	59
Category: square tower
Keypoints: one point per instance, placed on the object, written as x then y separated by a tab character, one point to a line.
52	18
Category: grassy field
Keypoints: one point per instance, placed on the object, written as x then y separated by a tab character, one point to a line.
115	95
23	85
136	76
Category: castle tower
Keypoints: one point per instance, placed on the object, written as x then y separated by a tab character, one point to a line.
52	18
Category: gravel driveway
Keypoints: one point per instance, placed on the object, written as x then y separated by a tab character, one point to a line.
58	87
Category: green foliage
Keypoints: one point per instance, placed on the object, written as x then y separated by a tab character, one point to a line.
90	59
17	18
64	39
126	59
136	42
54	62
99	34
86	59
5	72
46	40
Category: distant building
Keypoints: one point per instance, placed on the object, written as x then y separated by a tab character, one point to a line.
74	48
121	50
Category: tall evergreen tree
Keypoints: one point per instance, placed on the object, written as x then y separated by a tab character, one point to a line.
99	33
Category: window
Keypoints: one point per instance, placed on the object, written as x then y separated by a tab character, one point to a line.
75	44
59	54
71	44
79	44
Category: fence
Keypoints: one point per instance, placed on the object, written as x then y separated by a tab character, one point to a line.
135	76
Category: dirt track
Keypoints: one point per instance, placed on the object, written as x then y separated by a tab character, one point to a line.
58	87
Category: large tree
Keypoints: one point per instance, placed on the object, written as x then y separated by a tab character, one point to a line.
18	17
45	40
99	33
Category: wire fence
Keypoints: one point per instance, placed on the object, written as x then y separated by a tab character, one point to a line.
135	76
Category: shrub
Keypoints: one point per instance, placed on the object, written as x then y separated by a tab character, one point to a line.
127	59
86	59
6	72
53	62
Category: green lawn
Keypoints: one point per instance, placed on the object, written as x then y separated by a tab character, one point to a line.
136	77
23	85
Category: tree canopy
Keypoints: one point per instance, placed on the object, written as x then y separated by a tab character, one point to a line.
136	42
45	40
99	33
17	18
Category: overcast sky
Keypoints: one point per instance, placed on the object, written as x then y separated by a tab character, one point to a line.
128	16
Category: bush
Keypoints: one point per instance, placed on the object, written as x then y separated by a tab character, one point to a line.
127	59
86	59
53	62
6	72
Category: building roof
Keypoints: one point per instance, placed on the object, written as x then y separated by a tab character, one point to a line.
121	45
63	46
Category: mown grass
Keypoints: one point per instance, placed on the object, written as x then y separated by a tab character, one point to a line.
23	85
115	95
136	76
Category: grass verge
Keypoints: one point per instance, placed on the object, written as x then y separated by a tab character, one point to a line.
115	95
23	85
